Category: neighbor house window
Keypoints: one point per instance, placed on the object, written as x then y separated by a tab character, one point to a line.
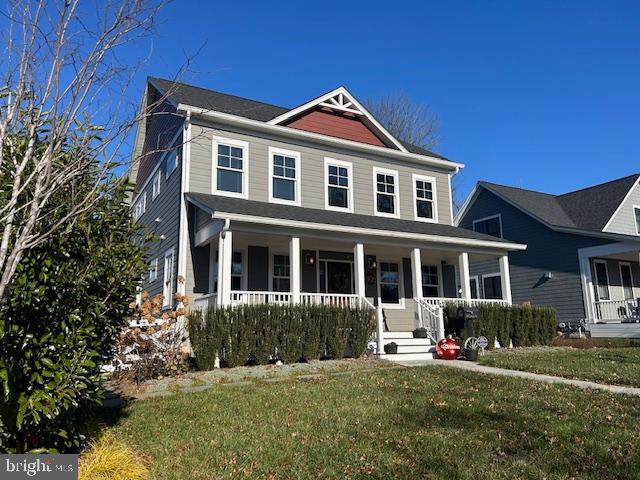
153	270
386	190
627	280
602	280
155	187
167	283
281	273
492	286
140	206
230	172
173	158
489	226
285	174
389	282
236	271
636	211
338	190
425	198
430	281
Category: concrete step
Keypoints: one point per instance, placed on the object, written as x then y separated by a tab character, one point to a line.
397	335
403	357
409	341
416	348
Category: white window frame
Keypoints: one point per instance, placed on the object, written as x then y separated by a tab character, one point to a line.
633	287
490	217
477	280
232	142
297	179
272	268
342	164
140	207
155	184
174	152
167	276
434	202
636	207
400	304
396	195
490	275
153	270
595	274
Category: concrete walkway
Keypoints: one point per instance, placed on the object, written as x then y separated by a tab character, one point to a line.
474	367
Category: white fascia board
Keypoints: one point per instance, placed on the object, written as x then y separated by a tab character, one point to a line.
368	231
317	137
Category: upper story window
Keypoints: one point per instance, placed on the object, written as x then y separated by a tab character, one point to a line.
636	211
424	197
338	188
155	186
385	184
173	158
489	226
230	167
140	206
284	186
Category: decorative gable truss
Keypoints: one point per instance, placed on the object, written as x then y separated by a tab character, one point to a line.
338	114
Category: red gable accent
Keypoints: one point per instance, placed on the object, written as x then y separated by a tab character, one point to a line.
342	125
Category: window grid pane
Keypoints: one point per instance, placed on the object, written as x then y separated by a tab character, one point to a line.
230	168
284	177
338	186
385	186
281	273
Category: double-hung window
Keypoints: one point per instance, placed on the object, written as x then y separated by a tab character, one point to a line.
173	158
155	187
153	270
230	167
430	281
636	213
237	271
281	273
338	189
140	206
424	198
389	282
489	226
284	186
167	282
385	183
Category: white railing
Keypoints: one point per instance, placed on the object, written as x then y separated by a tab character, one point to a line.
205	301
244	297
617	310
333	299
475	302
430	317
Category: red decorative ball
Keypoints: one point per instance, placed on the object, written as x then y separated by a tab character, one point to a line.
448	349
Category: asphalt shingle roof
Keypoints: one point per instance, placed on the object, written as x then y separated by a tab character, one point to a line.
587	209
272	210
242	107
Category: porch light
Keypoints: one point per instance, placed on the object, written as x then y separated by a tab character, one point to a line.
310	258
371	263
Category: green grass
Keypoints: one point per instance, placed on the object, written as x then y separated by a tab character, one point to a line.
431	422
615	366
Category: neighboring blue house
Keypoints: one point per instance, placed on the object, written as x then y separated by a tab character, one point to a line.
583	251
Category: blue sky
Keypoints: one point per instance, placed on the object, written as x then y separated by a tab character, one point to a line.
542	95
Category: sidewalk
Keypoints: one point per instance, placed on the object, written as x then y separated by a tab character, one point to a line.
474	367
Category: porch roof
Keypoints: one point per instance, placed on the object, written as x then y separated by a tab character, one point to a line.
221	205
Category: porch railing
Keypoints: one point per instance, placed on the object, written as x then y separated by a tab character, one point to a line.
617	310
333	299
244	297
430	317
475	302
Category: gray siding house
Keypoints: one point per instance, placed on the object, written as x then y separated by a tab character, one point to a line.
583	250
255	203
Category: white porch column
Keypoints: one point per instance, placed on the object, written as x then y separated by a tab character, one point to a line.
358	259
379	328
505	278
465	279
416	272
224	268
294	267
588	292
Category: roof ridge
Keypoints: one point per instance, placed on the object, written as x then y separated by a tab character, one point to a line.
599	185
484	182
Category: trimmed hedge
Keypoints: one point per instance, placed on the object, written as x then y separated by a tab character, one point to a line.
522	325
297	331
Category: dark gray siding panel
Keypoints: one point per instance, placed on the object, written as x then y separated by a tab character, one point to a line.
547	251
308	281
258	268
450	285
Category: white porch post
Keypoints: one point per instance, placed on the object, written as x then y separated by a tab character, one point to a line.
416	281
505	278
294	266
380	328
225	253
465	279
588	292
358	258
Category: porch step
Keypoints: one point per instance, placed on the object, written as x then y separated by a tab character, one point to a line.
409	341
399	335
403	357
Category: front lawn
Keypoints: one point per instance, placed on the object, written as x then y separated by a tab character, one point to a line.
430	422
616	366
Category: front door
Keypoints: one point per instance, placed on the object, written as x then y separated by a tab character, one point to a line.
339	279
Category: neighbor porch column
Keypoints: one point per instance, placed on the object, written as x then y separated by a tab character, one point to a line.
294	267
358	260
465	279
225	253
505	278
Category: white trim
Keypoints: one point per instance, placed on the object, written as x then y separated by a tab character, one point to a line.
451	198
350	105
294	268
505	279
212	229
434	202
183	232
396	194
635	219
599	261
328	161
324	139
167	276
369	231
392	306
626	197
297	181
360	285
463	269
156	184
232	142
484	219
490	275
633	287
